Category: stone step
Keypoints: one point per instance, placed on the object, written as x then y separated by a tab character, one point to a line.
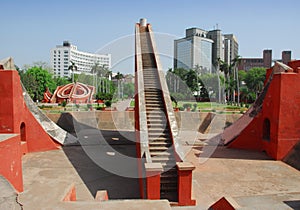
159	159
167	188
158	134
158	148
152	109
170	173
154	106
160	143
161	154
153	138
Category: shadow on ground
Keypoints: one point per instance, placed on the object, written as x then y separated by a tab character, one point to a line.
293	204
102	157
229	153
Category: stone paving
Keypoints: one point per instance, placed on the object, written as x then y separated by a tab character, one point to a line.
250	178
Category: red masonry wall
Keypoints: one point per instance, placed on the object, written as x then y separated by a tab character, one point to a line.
15	118
11	166
14	113
281	107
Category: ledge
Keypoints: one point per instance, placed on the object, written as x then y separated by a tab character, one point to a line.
185	166
153	167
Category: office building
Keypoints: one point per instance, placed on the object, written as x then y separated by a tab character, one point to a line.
249	63
203	49
231	48
63	55
193	50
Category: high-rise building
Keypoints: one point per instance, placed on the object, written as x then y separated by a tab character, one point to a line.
63	55
218	45
203	49
193	50
231	48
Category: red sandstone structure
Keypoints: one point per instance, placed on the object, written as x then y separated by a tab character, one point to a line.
272	125
73	92
167	176
23	133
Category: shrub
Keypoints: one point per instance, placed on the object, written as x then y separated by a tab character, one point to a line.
108	103
186	105
63	103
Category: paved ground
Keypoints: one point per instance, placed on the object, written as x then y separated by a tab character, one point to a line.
251	178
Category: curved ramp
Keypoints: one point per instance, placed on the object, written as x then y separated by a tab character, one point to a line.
233	131
53	130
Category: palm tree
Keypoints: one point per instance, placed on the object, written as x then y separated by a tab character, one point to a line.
73	68
224	67
108	76
234	64
119	76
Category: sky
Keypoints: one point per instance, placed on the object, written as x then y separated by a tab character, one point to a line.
29	29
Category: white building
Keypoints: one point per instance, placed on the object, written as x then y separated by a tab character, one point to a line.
63	55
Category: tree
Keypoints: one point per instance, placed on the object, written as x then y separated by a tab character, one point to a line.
119	77
43	80
255	79
231	77
41	64
73	68
210	82
191	80
30	84
129	89
59	81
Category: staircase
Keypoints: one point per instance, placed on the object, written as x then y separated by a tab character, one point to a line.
159	134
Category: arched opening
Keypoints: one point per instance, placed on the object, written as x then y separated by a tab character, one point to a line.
266	129
23	132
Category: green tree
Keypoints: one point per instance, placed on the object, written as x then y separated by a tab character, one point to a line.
119	78
29	83
43	79
255	79
210	82
59	81
129	89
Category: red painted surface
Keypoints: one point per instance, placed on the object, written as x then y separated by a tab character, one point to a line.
153	185
11	166
101	195
281	107
73	92
222	204
185	188
15	118
71	195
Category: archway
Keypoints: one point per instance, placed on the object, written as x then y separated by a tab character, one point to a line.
267	130
23	132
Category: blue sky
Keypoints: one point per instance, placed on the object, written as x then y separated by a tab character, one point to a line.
31	28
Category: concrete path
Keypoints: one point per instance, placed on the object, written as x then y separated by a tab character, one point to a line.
250	178
8	196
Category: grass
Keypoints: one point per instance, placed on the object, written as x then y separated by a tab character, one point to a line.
202	106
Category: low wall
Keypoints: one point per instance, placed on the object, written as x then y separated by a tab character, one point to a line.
124	120
10	156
